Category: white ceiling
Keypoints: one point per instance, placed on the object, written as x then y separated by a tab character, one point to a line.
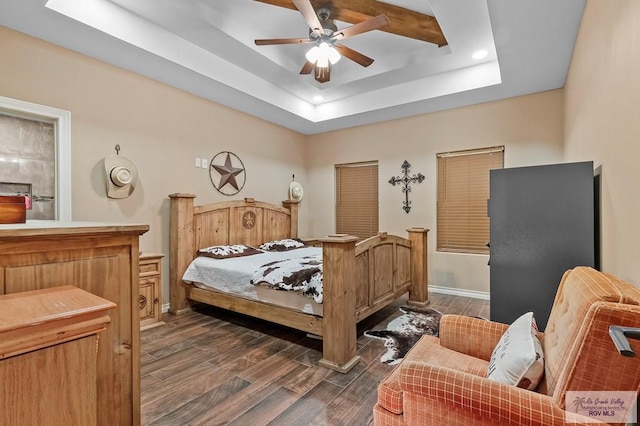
206	47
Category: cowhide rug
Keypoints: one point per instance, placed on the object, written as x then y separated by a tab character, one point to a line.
403	332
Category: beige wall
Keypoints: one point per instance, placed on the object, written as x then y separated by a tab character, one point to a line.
530	128
163	129
160	128
602	123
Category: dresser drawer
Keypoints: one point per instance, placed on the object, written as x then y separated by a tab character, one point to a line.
150	284
149	268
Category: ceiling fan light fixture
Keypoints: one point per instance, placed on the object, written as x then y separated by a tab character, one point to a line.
323	62
334	56
322	55
312	54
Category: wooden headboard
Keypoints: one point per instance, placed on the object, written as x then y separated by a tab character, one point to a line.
245	221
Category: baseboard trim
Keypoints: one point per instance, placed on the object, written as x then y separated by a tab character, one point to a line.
165	308
460	292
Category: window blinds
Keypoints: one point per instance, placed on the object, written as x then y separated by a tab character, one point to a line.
357	199
463	191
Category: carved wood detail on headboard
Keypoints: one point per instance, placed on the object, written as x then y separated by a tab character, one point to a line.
246	221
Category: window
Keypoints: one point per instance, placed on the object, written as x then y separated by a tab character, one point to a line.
357	199
463	191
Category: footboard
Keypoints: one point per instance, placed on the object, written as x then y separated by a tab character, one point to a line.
384	271
360	279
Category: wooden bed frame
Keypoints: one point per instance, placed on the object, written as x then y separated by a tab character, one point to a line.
359	278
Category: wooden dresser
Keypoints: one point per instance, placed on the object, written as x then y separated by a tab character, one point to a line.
48	356
150	302
102	259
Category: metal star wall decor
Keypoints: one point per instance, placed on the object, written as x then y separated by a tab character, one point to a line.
229	175
406	180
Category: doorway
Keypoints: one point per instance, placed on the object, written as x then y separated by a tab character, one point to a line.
35	157
27	164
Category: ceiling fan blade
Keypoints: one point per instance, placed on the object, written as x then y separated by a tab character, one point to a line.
309	15
356	57
322	74
269	41
375	23
307	68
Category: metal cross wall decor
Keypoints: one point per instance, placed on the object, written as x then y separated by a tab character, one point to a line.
406	180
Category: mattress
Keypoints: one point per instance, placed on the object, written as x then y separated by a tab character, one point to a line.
233	276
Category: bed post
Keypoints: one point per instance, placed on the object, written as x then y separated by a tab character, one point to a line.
181	249
418	293
292	205
339	309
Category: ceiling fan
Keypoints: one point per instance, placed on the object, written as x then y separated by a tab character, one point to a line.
325	36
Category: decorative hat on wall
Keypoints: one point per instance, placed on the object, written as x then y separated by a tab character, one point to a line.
295	191
121	175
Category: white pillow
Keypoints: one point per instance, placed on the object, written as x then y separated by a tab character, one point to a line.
517	359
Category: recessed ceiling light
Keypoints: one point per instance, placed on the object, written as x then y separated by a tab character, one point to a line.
318	98
480	54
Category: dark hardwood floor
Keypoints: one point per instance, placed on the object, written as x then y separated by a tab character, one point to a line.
211	367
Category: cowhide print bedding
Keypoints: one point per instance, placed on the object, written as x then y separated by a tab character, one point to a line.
298	270
301	274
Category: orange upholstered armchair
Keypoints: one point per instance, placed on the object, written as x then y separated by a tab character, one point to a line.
442	381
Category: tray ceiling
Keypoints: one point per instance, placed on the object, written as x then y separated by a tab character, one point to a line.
206	47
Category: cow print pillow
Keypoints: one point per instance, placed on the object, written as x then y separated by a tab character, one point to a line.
282	245
225	252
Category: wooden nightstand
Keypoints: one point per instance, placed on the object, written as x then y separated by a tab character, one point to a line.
150	290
